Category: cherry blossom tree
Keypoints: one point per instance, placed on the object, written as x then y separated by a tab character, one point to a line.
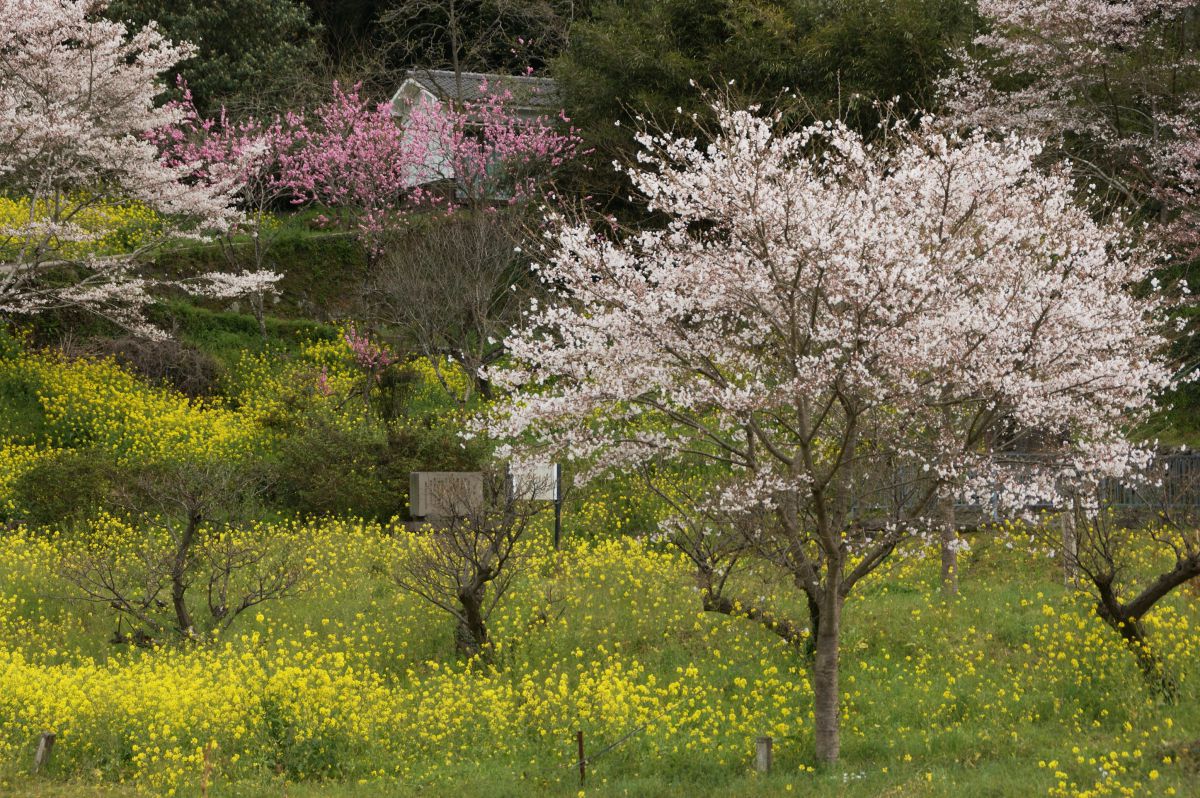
77	93
1114	85
847	332
1115	88
493	152
349	155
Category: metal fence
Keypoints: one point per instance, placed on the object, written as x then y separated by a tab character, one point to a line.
1174	489
1180	486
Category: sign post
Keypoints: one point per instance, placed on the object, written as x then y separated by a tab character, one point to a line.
440	495
557	505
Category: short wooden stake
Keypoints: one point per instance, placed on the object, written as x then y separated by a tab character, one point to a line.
762	755
582	761
41	757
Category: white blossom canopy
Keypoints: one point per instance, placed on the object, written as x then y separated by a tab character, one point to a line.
77	95
850	328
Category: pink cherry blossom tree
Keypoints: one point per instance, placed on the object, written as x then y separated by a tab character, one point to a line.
493	152
848	333
360	161
348	155
76	95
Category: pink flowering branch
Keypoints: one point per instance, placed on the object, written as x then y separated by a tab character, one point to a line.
366	353
492	151
357	158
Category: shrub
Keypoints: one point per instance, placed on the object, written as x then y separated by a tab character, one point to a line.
167	362
66	485
330	467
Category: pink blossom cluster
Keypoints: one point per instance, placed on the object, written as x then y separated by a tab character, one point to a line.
358	160
216	148
490	150
366	353
350	155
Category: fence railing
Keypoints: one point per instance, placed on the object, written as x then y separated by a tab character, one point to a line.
1180	486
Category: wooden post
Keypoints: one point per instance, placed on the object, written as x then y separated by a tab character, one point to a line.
949	535
762	755
41	757
582	761
1070	542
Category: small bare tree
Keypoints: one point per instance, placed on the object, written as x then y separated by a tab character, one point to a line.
1102	545
187	540
467	560
454	291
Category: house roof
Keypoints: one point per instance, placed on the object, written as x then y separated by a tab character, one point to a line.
529	93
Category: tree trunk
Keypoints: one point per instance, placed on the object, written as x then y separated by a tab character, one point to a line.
1156	674
484	387
825	673
814	627
260	314
949	546
1128	624
179	577
471	636
1069	549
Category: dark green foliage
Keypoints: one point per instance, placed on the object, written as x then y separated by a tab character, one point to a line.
424	444
347	25
253	53
72	484
324	467
392	394
883	49
21	415
477	35
639	57
325	461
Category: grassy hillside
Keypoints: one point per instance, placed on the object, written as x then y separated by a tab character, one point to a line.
351	686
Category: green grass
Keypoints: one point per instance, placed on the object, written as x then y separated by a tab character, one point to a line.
902	643
227	335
